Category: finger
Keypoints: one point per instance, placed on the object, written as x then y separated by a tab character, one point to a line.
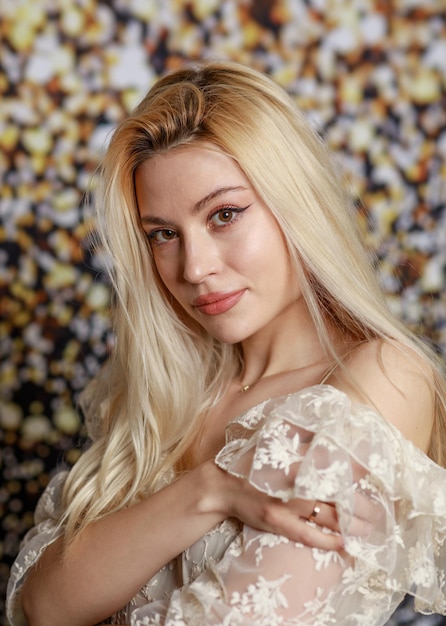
313	536
359	528
367	516
326	515
367	508
281	520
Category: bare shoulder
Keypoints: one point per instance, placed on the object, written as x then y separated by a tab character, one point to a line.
395	380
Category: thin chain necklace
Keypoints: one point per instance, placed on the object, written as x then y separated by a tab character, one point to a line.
245	388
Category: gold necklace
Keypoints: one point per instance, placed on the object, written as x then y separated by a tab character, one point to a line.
245	388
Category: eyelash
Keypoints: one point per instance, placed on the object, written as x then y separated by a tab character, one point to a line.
228	209
235	211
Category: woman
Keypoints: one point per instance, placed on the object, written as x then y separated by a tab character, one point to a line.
263	416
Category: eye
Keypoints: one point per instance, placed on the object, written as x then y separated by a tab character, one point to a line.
161	236
226	216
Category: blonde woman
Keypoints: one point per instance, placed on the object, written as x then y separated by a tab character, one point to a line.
262	432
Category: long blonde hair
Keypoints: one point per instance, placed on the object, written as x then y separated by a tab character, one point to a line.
166	372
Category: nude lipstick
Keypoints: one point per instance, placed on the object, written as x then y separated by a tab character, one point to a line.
217	303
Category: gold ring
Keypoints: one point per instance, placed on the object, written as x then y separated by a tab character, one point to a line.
315	512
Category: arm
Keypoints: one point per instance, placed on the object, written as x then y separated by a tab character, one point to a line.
117	555
398	384
87	585
266	578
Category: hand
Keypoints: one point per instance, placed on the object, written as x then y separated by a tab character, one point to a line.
295	519
268	514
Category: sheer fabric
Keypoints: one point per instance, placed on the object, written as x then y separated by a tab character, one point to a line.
313	444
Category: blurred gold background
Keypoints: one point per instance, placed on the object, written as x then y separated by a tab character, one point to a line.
371	76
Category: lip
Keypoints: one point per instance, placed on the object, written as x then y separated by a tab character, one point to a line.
218	302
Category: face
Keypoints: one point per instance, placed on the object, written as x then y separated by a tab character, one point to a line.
217	248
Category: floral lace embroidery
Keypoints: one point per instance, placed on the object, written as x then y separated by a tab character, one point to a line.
313	444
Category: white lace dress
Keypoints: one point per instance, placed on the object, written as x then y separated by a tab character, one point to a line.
311	444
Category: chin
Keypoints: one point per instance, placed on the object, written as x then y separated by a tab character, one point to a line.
230	338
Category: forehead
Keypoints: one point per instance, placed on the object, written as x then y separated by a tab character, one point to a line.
201	156
186	175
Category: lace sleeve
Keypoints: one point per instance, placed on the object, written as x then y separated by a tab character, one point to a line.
45	532
316	445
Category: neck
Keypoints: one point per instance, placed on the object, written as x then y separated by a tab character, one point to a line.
292	344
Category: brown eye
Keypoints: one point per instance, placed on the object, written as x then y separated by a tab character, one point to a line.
226	215
161	236
168	234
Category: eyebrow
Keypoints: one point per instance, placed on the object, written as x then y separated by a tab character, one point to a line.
198	206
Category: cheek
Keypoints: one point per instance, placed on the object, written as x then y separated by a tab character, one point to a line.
166	268
172	293
264	251
250	246
163	284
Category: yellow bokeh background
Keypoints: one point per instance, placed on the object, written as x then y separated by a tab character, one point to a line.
369	74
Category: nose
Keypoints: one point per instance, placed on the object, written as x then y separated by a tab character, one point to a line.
200	259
